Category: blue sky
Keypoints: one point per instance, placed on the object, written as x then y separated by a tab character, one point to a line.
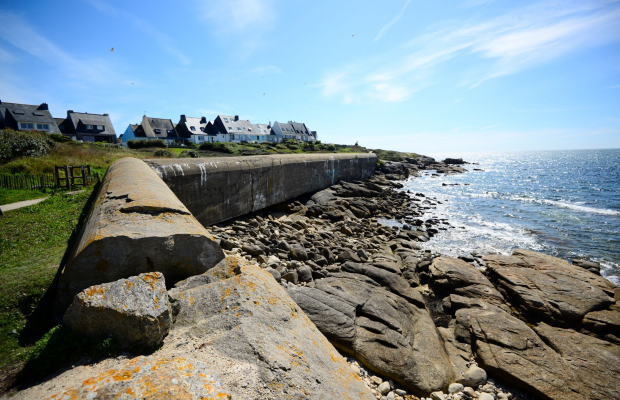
410	75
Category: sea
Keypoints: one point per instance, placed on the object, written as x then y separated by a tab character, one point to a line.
563	203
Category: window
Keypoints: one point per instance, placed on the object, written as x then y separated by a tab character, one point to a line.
100	127
238	128
192	128
43	127
18	112
230	128
202	129
89	127
250	129
157	131
201	138
26	125
170	131
226	119
88	138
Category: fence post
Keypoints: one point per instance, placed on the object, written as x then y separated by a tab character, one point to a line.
67	177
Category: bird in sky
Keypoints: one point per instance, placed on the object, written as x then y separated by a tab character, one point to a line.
354	34
263	94
112	49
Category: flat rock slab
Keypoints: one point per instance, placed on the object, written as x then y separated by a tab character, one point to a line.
451	275
596	363
386	332
153	377
136	225
510	350
135	311
549	289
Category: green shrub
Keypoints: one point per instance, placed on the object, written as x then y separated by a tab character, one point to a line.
163	153
331	147
189	154
143	143
15	144
222	147
56	137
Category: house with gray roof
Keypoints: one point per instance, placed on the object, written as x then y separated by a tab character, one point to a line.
87	127
293	130
27	117
153	128
193	129
225	128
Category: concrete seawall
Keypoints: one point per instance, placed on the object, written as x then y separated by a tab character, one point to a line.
217	189
135	225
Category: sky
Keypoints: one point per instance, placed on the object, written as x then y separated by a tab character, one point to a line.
407	75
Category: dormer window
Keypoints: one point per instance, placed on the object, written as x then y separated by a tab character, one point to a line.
157	131
226	119
18	112
170	131
202	129
238	128
193	128
230	128
250	129
100	127
90	127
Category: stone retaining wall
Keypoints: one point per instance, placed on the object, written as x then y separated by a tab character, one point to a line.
217	189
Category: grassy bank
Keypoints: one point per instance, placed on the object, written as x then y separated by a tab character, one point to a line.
8	196
33	241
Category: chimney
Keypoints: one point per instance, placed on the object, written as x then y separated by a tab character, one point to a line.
236	118
43	106
182	117
105	115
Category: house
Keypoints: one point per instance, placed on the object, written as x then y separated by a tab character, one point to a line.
292	130
153	128
87	127
27	117
193	129
225	128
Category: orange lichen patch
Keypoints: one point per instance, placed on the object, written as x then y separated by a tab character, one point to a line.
151	278
97	290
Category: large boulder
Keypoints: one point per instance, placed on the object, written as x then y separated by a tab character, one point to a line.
452	275
595	362
392	282
236	334
134	311
511	351
135	225
387	333
249	323
549	289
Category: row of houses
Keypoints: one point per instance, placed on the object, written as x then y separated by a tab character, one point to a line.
77	125
89	127
224	128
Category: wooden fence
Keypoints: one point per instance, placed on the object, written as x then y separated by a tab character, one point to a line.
65	176
31	182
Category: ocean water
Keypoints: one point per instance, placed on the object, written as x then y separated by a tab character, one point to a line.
563	203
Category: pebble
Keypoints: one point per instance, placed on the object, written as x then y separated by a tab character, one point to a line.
486	396
455	387
384	387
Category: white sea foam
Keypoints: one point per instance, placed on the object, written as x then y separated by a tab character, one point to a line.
578	207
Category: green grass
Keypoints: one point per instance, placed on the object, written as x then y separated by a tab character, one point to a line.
8	196
33	241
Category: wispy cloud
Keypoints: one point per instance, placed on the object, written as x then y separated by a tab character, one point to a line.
16	31
520	39
164	41
243	21
392	22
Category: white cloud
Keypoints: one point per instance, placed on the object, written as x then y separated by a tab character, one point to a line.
16	31
164	41
235	15
392	22
517	40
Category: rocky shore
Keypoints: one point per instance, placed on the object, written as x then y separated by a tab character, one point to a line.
332	296
417	324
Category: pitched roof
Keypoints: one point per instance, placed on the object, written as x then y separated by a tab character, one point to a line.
162	128
28	113
75	118
199	125
299	127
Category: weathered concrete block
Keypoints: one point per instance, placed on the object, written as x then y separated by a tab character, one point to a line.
136	225
217	189
135	311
